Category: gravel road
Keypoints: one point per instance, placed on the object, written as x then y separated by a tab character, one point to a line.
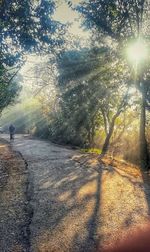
75	206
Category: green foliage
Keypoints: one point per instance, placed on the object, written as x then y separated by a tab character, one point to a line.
8	89
123	21
77	64
90	85
119	19
25	27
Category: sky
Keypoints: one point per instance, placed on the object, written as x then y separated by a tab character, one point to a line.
65	14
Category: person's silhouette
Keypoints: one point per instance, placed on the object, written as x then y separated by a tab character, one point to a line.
12	131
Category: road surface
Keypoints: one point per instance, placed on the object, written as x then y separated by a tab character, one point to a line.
73	206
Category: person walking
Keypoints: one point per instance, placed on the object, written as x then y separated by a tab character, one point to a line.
12	131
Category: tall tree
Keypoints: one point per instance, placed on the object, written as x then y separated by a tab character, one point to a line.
25	27
123	21
92	84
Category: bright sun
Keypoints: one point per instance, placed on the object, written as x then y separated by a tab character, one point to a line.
137	51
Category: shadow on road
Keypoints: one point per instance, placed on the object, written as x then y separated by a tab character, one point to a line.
92	240
78	206
69	207
146	184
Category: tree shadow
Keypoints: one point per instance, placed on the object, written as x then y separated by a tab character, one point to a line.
146	184
65	191
63	196
92	240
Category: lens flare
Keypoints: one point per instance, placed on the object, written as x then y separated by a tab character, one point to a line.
137	51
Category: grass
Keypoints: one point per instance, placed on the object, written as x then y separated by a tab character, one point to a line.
91	150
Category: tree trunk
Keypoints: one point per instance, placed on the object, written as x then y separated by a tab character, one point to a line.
122	106
92	133
106	123
89	138
108	137
144	155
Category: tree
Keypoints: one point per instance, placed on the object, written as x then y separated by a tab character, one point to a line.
25	27
123	21
92	83
8	89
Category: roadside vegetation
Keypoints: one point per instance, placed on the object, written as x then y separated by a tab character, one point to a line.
93	93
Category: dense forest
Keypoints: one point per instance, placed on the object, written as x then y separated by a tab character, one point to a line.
92	93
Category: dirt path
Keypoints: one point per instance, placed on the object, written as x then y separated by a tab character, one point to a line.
14	218
77	204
